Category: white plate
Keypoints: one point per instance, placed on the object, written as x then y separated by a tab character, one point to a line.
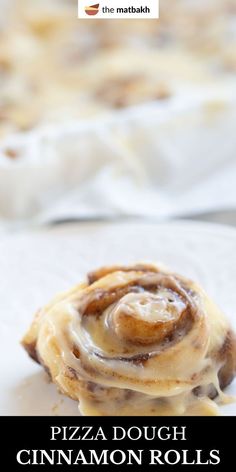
36	265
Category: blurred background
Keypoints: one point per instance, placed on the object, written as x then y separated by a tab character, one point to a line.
113	118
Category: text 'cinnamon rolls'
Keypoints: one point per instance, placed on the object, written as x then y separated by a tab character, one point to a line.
136	340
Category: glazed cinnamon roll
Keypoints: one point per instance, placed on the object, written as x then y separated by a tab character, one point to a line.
136	340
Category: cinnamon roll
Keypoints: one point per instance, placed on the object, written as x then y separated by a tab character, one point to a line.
136	340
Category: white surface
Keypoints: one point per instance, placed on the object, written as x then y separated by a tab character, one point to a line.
158	159
36	265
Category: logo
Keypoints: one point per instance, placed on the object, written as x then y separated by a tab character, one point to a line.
118	9
92	10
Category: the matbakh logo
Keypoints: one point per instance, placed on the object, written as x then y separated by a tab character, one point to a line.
92	9
118	9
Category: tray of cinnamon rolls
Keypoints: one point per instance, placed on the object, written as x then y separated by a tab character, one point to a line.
75	97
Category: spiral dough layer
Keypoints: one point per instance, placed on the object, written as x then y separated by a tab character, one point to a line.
136	340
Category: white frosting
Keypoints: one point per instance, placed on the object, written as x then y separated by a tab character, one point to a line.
162	306
94	349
